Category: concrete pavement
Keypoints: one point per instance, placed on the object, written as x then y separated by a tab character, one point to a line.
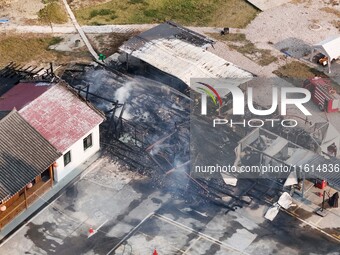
113	201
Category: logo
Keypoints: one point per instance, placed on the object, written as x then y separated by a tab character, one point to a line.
285	95
211	92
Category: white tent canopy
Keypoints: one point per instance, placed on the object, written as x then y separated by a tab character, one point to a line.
329	47
327	134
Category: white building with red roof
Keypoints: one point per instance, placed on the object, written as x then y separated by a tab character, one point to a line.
64	119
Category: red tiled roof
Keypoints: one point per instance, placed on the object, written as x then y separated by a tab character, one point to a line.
61	117
21	95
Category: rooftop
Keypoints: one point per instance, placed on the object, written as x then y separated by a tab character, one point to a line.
21	95
168	30
61	116
184	60
24	154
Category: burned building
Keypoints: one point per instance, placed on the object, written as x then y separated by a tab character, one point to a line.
270	153
174	54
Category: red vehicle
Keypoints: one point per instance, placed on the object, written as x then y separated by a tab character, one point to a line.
323	94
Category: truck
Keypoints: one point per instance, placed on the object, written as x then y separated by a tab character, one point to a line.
323	94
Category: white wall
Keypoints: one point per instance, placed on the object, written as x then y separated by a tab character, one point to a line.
78	155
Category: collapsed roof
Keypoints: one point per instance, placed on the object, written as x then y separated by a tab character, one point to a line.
180	52
277	150
326	134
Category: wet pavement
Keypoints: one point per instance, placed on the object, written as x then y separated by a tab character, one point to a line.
172	224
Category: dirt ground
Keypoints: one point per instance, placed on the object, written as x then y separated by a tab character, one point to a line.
108	44
21	12
294	26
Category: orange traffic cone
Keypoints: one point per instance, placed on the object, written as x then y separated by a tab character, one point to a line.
155	252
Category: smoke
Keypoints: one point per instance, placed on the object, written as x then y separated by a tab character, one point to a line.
126	114
123	93
177	107
156	149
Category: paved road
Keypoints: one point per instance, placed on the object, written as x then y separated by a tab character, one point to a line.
69	29
178	227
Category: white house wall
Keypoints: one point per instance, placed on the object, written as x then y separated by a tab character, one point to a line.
78	155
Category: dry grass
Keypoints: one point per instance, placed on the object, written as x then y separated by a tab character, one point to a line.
240	43
231	13
300	1
53	12
266	58
29	49
297	70
108	44
331	10
228	37
336	23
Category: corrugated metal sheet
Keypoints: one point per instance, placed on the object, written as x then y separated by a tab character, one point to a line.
325	169
61	116
21	95
24	154
184	60
168	30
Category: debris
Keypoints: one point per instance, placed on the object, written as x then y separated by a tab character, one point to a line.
272	212
292	179
334	200
229	179
285	201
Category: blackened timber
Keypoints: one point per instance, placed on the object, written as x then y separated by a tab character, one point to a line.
127	159
97	96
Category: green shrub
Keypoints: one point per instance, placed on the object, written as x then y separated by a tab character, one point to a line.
113	16
101	12
52	13
136	2
55	40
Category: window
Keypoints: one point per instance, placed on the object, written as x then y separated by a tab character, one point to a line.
67	158
87	142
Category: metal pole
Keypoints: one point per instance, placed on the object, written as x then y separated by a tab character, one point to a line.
303	184
87	92
323	201
127	61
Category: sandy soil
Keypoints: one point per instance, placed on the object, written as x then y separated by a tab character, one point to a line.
293	26
19	11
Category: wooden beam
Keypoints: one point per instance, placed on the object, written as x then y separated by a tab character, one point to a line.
51	175
25	193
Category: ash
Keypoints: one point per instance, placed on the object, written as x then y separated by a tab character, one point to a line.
147	130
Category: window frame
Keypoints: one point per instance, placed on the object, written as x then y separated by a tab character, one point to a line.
85	140
65	157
